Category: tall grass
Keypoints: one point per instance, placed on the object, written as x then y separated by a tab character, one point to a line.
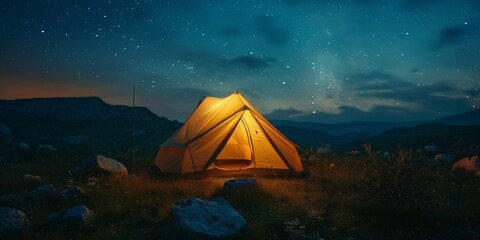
366	196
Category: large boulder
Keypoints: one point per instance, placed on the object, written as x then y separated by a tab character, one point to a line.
471	164
443	158
100	165
238	183
213	218
42	192
71	218
12	221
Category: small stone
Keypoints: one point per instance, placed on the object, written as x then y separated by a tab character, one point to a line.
32	178
238	183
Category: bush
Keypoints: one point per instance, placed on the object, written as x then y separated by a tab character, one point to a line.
393	178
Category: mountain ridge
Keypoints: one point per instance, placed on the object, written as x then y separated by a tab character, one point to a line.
53	120
72	109
70	122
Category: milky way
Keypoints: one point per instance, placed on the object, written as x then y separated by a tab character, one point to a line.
300	60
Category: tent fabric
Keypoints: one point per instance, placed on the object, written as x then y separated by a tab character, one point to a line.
227	134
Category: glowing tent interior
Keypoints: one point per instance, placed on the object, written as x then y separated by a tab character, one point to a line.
227	134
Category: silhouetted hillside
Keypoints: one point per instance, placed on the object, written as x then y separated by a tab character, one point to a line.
467	118
68	122
347	129
441	135
77	109
308	137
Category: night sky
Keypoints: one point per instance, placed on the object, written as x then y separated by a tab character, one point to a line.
301	60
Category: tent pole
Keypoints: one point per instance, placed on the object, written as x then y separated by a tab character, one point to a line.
133	129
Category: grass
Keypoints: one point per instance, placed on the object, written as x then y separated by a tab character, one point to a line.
365	197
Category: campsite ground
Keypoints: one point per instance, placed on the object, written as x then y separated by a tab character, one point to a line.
340	196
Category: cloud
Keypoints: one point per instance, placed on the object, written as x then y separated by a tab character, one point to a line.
307	3
273	34
230	32
210	62
415	4
424	99
284	114
473	92
247	62
346	114
379	113
451	36
419	93
376	80
300	2
374	75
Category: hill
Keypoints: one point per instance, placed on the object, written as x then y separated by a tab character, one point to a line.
308	137
468	118
70	122
444	132
441	135
350	129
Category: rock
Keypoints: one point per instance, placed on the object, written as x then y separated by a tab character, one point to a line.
214	218
471	164
100	165
32	178
47	149
12	221
354	153
71	192
238	183
71	218
443	158
386	154
24	147
431	148
42	192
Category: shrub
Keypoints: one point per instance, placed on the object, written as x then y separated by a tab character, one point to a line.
393	178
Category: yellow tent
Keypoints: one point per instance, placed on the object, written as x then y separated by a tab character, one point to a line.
227	134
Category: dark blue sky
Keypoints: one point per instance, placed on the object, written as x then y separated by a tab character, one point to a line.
293	59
